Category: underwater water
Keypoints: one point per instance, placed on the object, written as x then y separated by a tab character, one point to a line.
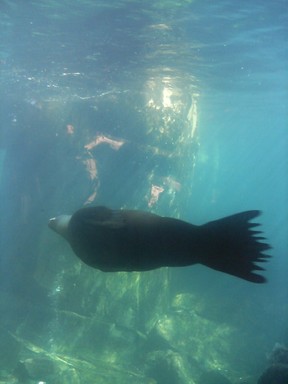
174	107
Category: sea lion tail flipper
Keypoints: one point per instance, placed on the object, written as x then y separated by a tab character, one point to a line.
234	247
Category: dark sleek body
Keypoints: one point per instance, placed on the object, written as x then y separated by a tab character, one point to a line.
127	240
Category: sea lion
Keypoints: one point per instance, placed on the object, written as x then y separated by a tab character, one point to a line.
131	240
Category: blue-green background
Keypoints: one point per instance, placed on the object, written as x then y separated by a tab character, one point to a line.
105	68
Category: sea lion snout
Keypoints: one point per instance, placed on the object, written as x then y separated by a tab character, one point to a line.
52	223
60	224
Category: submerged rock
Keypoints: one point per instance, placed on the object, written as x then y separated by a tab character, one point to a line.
213	377
279	354
168	367
34	368
276	374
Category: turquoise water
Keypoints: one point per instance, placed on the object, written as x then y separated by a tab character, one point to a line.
174	107
2	158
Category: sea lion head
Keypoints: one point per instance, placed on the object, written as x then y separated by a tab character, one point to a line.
60	224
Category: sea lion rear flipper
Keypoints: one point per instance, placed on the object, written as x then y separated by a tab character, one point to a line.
232	246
